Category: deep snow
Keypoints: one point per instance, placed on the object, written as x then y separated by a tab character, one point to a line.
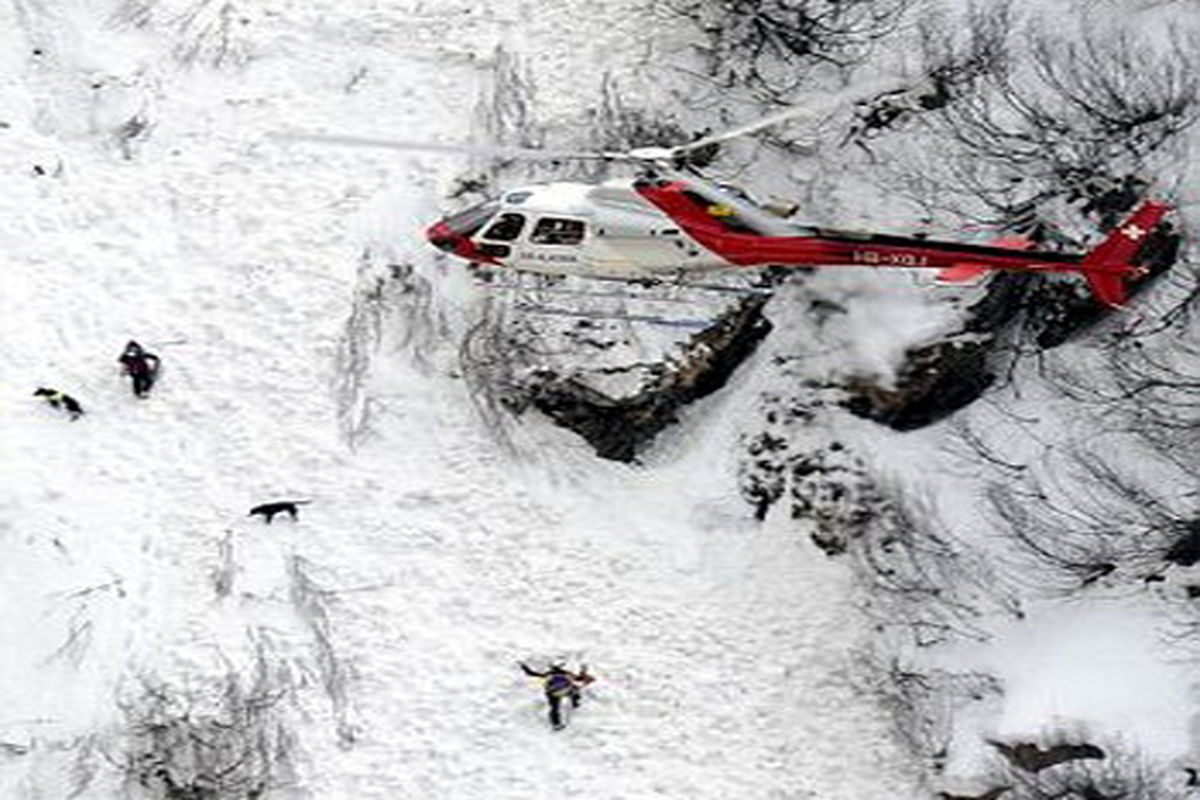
434	554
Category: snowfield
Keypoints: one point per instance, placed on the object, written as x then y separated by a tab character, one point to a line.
315	348
143	200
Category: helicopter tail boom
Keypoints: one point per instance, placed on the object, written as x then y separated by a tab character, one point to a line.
722	229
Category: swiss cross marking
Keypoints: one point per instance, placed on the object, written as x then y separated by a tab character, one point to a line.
1133	232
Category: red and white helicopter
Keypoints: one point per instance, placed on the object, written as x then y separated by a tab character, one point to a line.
660	227
665	224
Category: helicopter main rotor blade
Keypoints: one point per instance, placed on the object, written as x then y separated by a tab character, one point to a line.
820	107
498	151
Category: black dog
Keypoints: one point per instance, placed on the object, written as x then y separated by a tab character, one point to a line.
60	400
269	510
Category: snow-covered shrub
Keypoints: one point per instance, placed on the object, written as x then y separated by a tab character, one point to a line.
389	298
956	58
506	110
228	740
770	45
826	485
1155	366
1059	111
1093	518
209	32
314	605
926	582
923	703
616	125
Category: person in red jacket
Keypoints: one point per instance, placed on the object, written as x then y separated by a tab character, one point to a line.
560	684
141	366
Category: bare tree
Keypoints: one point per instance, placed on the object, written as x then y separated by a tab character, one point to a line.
768	45
313	604
922	702
393	303
926	580
1065	116
228	740
208	31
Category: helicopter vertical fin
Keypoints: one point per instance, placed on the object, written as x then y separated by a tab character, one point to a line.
1110	264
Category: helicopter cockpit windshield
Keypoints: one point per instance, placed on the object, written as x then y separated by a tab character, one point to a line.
469	221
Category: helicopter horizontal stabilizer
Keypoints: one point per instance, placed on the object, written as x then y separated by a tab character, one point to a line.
1013	242
963	273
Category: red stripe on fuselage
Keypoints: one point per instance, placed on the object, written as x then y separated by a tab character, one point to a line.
746	249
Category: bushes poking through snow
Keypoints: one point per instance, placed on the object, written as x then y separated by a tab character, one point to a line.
225	572
618	126
928	583
923	705
1109	522
770	45
824	484
1040	116
226	741
208	32
386	293
313	603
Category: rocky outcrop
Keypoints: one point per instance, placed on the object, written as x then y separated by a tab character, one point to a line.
1031	758
1185	550
619	427
936	380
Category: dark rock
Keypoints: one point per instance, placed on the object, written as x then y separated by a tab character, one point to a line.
619	427
1185	551
990	794
935	381
1096	572
1031	758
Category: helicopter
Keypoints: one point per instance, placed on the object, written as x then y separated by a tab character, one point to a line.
655	227
669	222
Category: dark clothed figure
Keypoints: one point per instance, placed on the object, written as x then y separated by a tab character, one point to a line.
560	684
141	366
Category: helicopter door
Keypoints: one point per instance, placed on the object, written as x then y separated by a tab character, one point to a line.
506	228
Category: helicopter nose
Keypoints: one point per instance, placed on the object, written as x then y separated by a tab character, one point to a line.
442	237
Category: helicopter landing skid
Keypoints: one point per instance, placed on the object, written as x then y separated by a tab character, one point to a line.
651	319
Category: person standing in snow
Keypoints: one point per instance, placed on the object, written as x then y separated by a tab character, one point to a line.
560	684
141	366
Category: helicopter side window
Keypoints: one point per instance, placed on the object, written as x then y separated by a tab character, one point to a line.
554	230
506	228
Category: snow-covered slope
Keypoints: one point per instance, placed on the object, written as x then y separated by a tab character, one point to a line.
142	200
